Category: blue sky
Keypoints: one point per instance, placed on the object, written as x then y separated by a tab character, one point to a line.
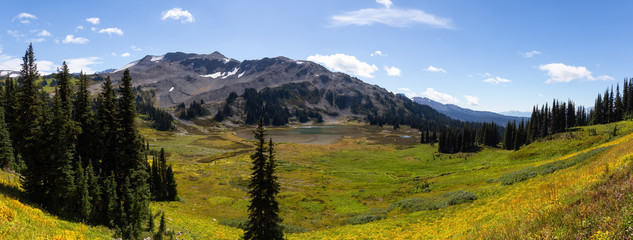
491	55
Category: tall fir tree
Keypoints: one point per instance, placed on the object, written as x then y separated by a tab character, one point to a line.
84	117
108	129
262	223
132	163
6	146
28	128
62	138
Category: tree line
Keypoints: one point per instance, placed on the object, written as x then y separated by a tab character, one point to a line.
79	164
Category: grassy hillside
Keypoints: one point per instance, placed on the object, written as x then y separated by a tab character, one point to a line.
381	186
22	221
327	189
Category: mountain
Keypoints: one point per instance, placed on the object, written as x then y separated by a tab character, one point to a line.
515	113
9	73
465	114
278	87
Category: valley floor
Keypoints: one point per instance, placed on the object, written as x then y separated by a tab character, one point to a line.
571	185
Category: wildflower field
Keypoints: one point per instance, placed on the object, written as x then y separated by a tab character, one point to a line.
380	186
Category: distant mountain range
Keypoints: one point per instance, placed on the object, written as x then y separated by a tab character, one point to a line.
516	113
465	114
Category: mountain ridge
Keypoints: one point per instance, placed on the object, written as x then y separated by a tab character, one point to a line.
465	114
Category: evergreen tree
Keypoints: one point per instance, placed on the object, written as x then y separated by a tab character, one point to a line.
618	106
94	192
84	117
28	128
161	228
108	128
62	139
263	220
132	164
83	194
10	103
6	146
170	182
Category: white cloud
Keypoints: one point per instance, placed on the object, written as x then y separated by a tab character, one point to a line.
111	31
345	63
390	16
435	69
530	54
24	18
94	29
378	53
72	39
407	92
125	54
393	71
37	40
79	28
178	14
135	48
76	65
93	20
472	100
496	80
440	97
559	72
386	3
15	34
10	63
44	33
46	67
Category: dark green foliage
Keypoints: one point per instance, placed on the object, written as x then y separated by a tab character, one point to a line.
108	128
162	183
160	119
162	228
434	203
457	140
194	110
6	146
62	134
28	125
530	172
83	198
263	219
363	218
84	117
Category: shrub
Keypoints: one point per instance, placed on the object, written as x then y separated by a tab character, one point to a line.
434	203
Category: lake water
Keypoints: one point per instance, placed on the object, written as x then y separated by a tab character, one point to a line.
320	135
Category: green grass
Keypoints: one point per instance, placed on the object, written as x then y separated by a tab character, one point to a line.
362	184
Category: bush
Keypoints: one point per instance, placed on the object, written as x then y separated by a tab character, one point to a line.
234	222
433	203
530	172
364	218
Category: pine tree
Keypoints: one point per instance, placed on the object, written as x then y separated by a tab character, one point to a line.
108	128
10	103
84	117
63	136
112	205
262	223
618	106
94	192
132	164
6	146
161	228
151	226
28	128
83	194
170	182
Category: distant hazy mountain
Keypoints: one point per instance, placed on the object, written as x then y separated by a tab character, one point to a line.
517	114
9	73
465	114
